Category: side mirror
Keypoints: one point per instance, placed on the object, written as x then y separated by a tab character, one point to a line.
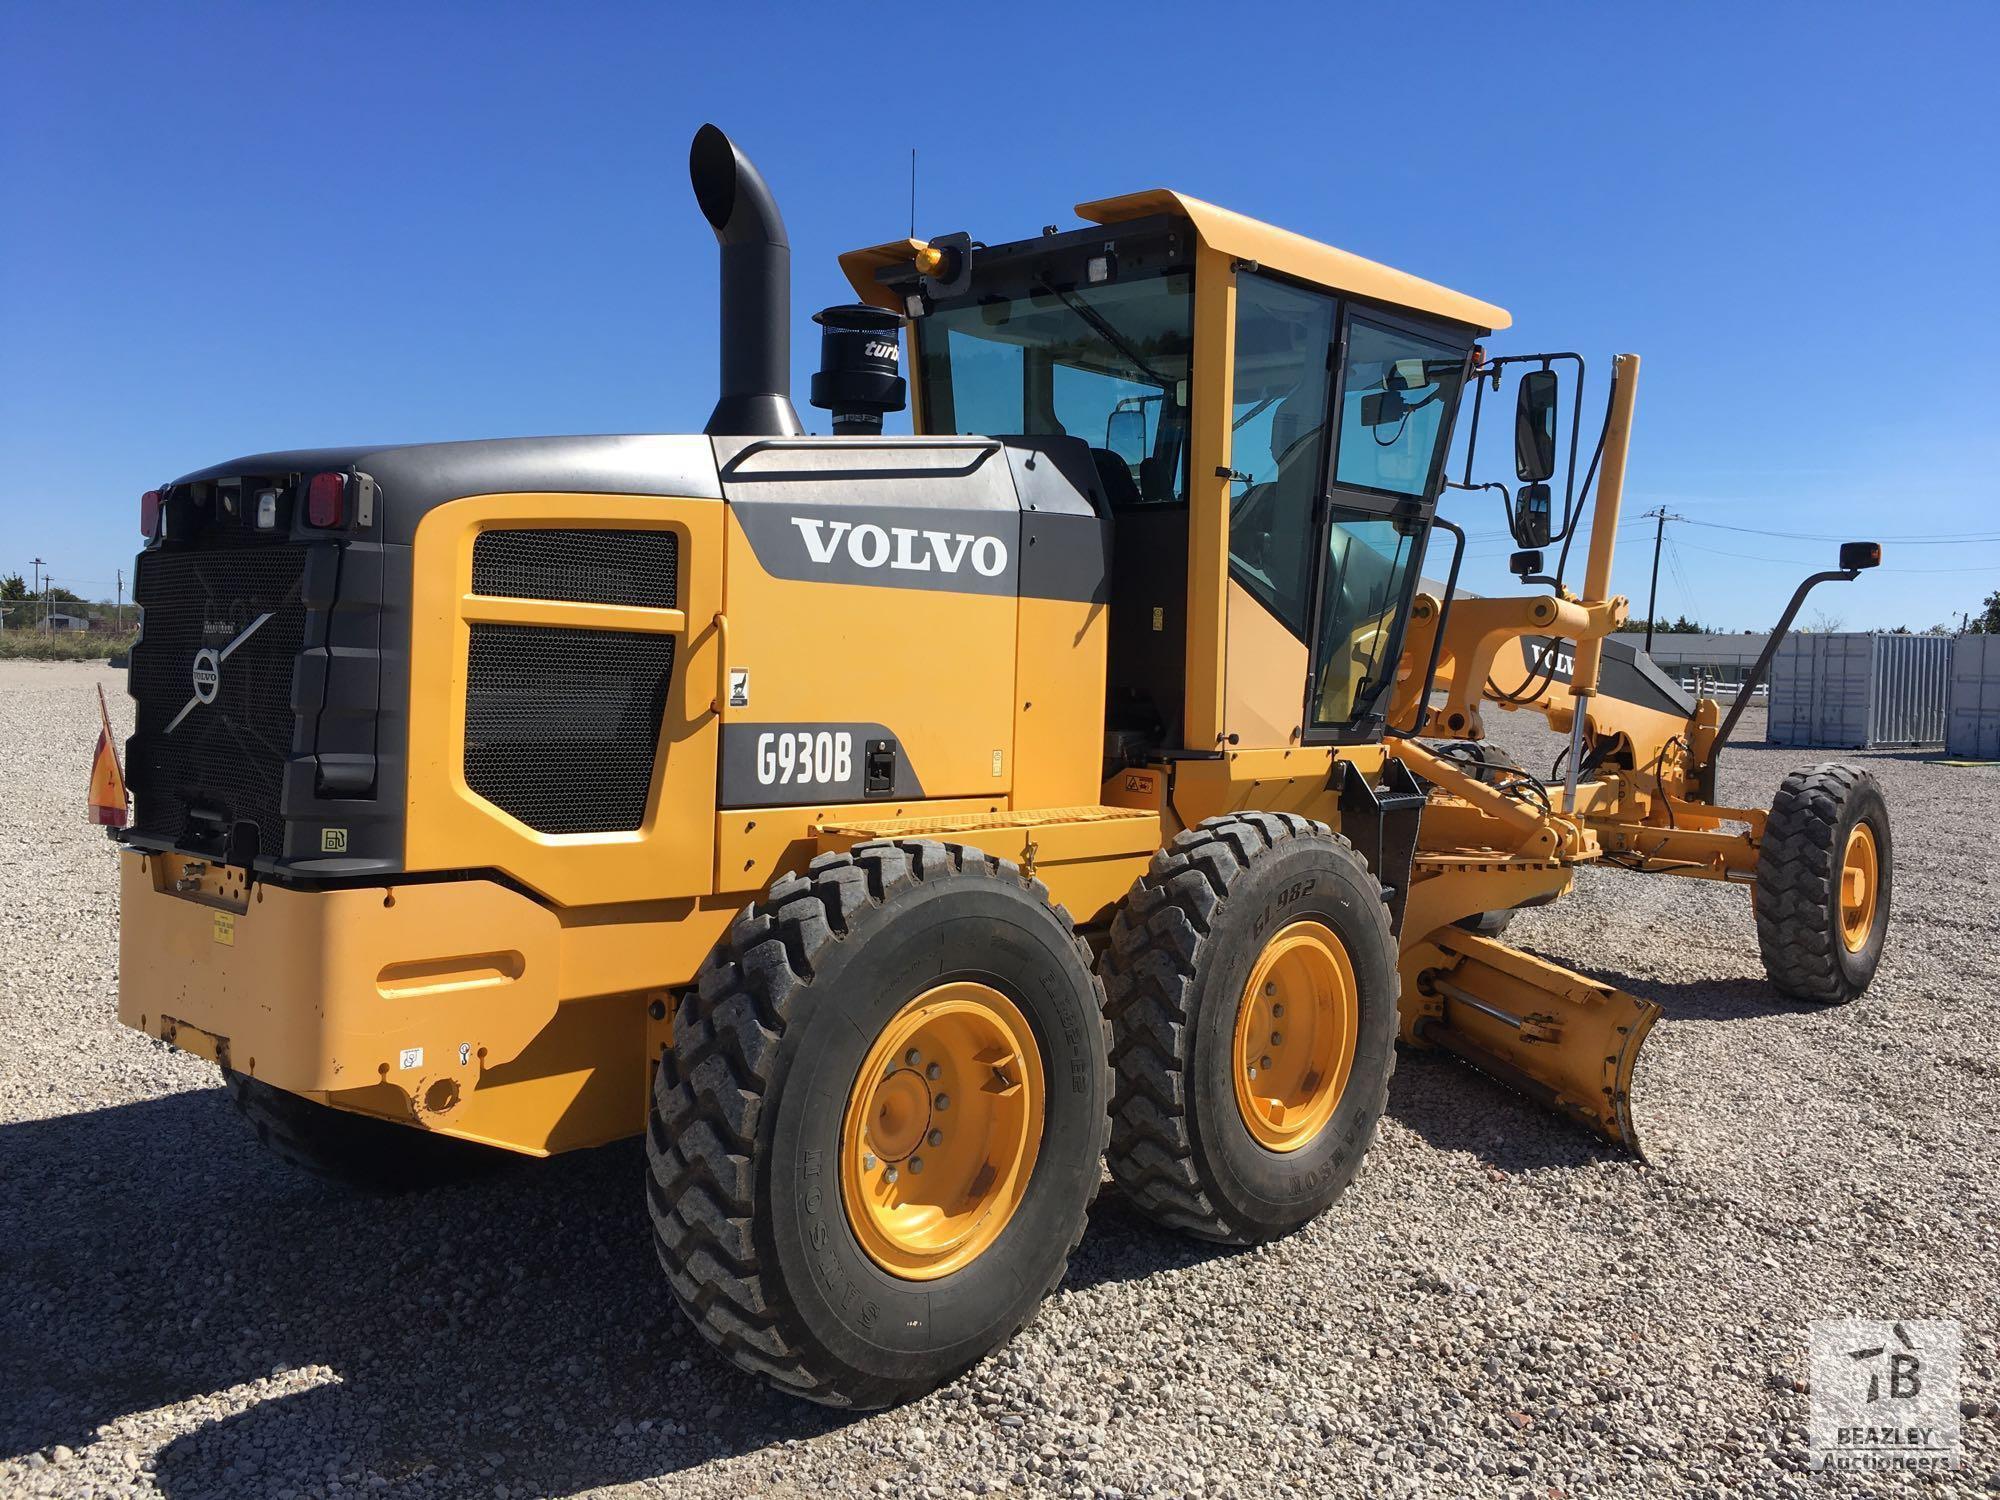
1535	426
1125	435
1533	517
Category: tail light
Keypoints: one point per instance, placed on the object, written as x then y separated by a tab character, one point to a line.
326	499
149	514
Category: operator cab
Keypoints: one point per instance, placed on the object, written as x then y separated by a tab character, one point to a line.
1268	418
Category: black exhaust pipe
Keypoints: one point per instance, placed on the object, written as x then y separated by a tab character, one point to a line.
756	291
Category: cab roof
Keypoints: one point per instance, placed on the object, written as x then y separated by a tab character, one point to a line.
1241	238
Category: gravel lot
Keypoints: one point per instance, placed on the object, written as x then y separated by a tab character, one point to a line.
1501	1306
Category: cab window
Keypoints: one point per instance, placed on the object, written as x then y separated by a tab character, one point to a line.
1109	364
1370	560
1278	443
1396	401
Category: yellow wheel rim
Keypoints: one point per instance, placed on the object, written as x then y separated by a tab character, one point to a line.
1297	1026
1860	878
942	1130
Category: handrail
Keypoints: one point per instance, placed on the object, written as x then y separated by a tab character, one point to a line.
984	446
721	623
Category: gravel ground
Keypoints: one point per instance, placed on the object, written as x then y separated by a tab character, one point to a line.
1500	1306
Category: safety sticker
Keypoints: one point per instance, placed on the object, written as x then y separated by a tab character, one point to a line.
225	928
411	1057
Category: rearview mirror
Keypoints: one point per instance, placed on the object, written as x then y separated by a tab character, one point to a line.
1532	512
1125	435
1383	408
1535	426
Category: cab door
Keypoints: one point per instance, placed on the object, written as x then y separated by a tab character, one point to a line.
1341	416
1396	393
1282	399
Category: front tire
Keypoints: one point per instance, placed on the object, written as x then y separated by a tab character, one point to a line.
1824	873
874	1141
1236	916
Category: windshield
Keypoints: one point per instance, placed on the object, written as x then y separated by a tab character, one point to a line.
1396	402
1108	364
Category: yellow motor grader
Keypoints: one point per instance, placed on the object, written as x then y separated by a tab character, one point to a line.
897	828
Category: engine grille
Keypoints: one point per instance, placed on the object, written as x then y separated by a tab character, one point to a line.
223	761
640	569
561	725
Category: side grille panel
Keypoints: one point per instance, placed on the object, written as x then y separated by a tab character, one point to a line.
561	725
224	761
639	569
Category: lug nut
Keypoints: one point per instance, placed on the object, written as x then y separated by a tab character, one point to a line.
942	1102
1277	1008
916	1164
867	1163
1250	1072
1277	1039
1266	1062
888	1174
1271	987
936	1138
913	1057
932	1072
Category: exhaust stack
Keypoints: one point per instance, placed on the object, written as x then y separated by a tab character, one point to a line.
756	291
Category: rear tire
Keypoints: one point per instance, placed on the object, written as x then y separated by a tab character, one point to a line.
1183	950
363	1151
752	1124
1822	916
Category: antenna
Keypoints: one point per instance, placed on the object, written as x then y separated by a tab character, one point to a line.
913	192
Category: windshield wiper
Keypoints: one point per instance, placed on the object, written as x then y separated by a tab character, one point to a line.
1106	332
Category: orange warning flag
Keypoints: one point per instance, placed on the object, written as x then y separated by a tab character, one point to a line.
107	777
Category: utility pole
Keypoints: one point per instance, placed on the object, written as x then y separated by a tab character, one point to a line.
1660	518
35	590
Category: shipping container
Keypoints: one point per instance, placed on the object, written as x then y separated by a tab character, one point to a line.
1973	729
1850	690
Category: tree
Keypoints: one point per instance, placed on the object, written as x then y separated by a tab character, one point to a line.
1679	625
1987	621
13	586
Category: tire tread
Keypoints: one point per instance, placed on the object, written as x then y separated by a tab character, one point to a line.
1149	970
712	1083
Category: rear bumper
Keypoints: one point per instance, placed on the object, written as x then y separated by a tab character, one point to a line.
436	1004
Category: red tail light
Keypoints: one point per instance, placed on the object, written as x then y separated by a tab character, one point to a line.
149	513
326	499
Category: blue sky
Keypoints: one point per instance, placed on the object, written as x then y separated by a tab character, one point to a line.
225	229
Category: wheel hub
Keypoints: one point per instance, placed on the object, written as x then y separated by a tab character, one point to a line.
1297	1027
1860	876
943	1126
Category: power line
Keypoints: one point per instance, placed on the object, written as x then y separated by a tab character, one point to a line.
1917	539
1799	562
1681	577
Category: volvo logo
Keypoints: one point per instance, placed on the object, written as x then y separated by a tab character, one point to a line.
903	547
208	671
207	674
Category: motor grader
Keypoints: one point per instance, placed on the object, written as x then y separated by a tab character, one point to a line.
895	829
